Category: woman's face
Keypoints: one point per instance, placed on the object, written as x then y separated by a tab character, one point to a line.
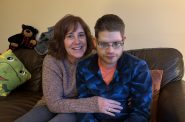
75	43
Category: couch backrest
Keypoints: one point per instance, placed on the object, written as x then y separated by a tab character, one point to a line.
33	62
170	60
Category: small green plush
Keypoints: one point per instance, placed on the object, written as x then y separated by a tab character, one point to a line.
12	73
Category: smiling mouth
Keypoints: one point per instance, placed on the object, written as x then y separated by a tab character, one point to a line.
77	48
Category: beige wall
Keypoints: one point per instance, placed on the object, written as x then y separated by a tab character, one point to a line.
149	23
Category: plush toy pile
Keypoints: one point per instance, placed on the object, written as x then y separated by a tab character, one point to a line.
25	39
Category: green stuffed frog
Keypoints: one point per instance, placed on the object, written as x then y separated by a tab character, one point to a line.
12	73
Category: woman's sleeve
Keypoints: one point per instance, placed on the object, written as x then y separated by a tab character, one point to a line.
53	92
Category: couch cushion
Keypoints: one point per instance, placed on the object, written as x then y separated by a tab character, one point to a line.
156	83
16	104
33	62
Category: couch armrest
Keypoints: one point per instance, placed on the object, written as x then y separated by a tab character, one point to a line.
171	106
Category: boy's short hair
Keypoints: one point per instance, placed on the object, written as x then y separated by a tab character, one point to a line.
109	22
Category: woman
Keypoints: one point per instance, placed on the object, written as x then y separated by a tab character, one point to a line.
71	42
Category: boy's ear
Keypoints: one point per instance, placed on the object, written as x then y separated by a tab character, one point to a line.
94	41
124	37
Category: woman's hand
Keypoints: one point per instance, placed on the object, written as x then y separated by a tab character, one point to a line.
108	106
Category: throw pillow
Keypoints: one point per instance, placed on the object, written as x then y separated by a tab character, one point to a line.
12	73
156	83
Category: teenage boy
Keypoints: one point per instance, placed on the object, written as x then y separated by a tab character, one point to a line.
115	74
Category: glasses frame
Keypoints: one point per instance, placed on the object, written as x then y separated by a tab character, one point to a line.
108	44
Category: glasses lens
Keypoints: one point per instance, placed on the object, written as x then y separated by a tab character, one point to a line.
115	45
103	44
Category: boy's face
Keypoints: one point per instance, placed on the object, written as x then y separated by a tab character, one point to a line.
109	47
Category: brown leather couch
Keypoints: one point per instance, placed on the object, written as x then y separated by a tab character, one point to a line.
23	98
171	105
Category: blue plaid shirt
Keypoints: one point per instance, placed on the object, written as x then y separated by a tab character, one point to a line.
131	79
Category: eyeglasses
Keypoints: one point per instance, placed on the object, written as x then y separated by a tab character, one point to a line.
115	45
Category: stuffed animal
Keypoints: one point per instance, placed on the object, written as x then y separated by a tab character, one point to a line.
12	74
25	39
